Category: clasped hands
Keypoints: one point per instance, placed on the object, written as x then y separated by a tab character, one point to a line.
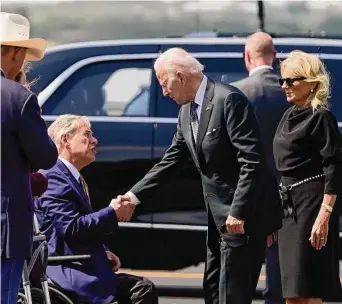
123	206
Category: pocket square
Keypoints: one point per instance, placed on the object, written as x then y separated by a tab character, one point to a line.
209	132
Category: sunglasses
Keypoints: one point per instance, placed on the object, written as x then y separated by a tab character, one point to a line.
289	81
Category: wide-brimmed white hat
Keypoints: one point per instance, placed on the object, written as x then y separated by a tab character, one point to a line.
15	31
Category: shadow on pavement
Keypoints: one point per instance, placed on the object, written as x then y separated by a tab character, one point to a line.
194	292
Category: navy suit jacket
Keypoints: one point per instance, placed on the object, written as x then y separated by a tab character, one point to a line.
65	216
269	103
25	144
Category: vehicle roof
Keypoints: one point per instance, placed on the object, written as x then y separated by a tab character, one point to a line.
294	41
58	58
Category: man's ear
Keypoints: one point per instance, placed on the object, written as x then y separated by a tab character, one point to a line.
65	140
274	55
15	54
181	77
248	56
18	55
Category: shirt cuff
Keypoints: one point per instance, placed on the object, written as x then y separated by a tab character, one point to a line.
133	197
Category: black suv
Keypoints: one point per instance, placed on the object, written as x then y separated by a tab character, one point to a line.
113	83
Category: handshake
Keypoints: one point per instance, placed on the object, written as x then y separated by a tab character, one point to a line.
123	207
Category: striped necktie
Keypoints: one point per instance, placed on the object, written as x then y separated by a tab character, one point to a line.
194	120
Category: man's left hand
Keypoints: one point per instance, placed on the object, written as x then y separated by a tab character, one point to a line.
234	225
114	260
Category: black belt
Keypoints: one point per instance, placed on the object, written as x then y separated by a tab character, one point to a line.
288	207
305	180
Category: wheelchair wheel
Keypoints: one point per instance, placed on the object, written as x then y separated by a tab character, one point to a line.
22	298
37	296
58	297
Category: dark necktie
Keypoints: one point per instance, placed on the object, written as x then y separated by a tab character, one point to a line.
85	188
194	120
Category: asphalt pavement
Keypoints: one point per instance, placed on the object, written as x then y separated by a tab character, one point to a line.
188	301
200	301
191	301
184	286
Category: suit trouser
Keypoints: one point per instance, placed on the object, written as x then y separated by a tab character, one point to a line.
273	291
231	273
11	272
132	289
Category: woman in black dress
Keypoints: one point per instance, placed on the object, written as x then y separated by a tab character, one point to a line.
308	153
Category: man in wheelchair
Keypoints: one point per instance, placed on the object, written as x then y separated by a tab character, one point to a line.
66	217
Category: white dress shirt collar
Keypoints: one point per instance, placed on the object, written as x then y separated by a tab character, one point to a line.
261	67
200	95
71	168
201	91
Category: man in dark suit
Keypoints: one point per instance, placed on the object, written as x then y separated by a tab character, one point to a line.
218	129
66	217
39	182
25	145
269	103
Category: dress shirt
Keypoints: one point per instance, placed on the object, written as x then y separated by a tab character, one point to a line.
71	168
200	96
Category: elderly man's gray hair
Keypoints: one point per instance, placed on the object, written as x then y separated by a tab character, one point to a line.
66	125
177	59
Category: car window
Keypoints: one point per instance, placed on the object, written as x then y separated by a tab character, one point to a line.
225	70
105	89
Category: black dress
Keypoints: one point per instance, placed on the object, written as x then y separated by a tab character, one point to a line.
308	144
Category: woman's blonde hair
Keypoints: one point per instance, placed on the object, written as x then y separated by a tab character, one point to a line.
312	68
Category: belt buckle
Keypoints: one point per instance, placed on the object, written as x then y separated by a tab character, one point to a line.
288	209
283	188
283	191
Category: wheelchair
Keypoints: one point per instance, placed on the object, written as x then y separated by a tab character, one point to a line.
36	287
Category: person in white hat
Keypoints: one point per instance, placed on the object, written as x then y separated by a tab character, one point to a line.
16	45
25	145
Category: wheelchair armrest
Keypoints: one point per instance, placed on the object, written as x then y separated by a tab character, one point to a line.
68	258
39	238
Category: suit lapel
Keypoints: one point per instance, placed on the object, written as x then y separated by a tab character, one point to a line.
74	183
188	124
206	110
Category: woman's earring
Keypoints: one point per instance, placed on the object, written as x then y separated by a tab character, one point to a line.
311	90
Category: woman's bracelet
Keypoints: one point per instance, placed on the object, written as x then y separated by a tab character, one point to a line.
327	207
